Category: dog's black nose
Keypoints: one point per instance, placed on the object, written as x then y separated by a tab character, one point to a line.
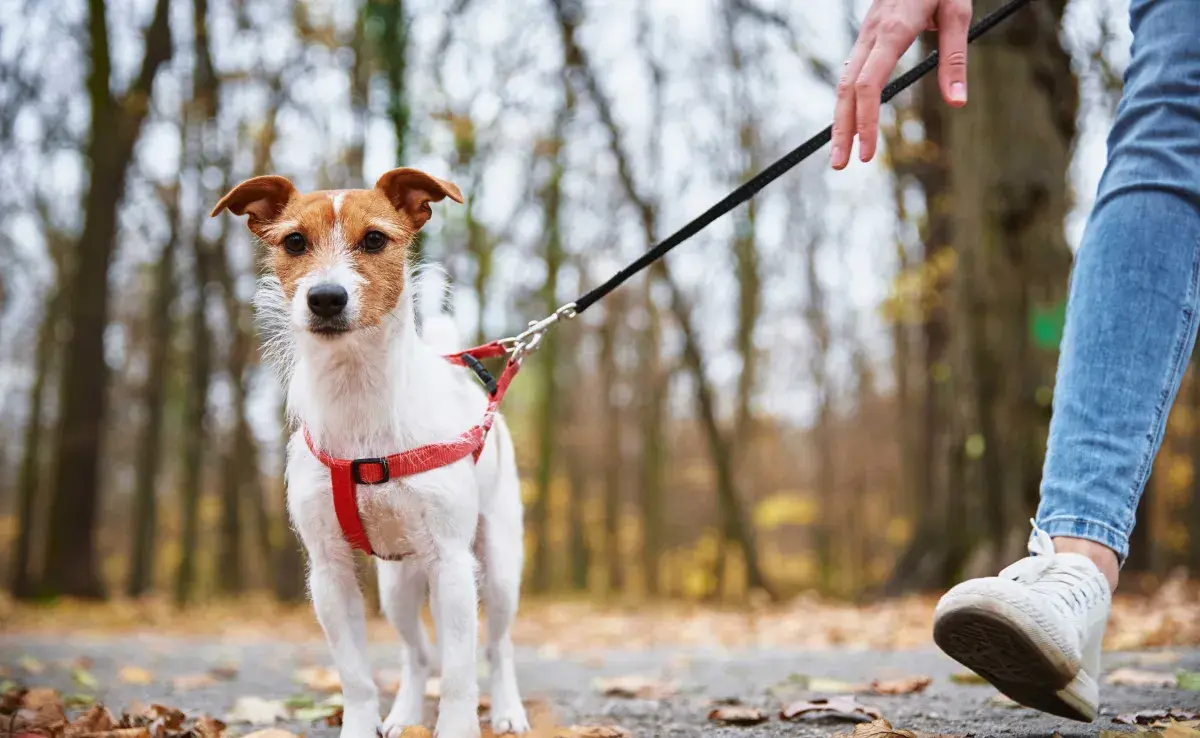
327	300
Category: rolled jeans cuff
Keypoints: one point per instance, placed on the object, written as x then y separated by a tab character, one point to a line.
1091	530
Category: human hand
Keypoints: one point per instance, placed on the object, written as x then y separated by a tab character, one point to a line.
889	29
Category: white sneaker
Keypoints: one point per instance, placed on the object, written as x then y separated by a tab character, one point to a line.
1035	631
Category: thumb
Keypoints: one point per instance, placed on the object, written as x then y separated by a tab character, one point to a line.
953	21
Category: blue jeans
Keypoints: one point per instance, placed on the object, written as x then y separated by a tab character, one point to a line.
1134	292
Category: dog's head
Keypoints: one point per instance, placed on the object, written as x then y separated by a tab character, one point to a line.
340	256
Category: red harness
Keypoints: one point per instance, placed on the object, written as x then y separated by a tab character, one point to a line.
347	474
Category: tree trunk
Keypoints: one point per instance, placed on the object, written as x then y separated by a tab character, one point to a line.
1010	150
145	518
734	524
548	401
71	565
613	458
195	416
1194	509
23	581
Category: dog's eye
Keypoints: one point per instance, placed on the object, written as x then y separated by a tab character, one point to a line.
295	244
374	241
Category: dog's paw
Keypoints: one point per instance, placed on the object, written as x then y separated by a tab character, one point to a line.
455	721
512	721
359	724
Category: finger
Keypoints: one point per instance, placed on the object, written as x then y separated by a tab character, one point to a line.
954	21
843	114
884	56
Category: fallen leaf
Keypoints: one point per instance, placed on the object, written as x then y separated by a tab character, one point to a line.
257	711
843	708
737	715
878	728
96	720
84	678
1149	717
1000	700
1189	680
1189	729
41	697
416	731
634	688
30	665
223	673
208	727
967	677
592	731
1139	678
907	685
319	678
135	675
118	733
188	682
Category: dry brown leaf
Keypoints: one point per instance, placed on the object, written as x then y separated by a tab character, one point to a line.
878	728
416	731
592	731
907	685
319	678
634	687
1188	729
118	733
967	677
737	715
188	682
41	697
135	675
1150	717
223	673
208	727
97	719
844	708
1139	678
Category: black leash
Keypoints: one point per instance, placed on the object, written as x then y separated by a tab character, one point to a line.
778	169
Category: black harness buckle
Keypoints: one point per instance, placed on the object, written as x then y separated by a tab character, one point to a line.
385	473
480	371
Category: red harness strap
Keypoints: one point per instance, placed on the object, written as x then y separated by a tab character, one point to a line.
347	474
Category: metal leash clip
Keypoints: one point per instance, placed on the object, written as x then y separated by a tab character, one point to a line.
530	340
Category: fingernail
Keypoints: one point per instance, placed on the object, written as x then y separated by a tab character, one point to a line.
836	156
958	92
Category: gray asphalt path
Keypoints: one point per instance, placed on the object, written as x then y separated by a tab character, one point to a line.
566	683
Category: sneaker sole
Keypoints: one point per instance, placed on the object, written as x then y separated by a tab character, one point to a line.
1005	646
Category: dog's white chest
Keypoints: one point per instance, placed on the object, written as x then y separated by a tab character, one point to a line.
391	525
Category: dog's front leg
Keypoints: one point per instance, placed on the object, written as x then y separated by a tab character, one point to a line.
452	576
339	606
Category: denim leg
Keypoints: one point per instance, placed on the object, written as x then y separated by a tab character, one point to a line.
1132	307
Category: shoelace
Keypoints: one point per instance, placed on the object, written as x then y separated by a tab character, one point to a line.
1045	566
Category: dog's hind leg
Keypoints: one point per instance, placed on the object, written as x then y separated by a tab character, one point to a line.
503	557
401	593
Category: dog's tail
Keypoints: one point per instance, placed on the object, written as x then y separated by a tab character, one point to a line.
431	292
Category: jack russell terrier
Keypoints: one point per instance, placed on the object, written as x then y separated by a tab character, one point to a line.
338	312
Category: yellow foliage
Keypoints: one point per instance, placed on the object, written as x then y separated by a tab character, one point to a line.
899	531
786	508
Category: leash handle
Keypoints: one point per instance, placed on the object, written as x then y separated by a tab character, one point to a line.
753	186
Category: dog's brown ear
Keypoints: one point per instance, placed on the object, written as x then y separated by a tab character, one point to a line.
410	191
262	198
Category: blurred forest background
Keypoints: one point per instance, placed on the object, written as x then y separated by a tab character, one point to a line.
843	388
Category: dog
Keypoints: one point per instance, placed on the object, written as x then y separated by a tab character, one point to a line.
339	313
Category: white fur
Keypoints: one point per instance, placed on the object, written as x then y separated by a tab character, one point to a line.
375	392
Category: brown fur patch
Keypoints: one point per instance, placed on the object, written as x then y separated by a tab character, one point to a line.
331	235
